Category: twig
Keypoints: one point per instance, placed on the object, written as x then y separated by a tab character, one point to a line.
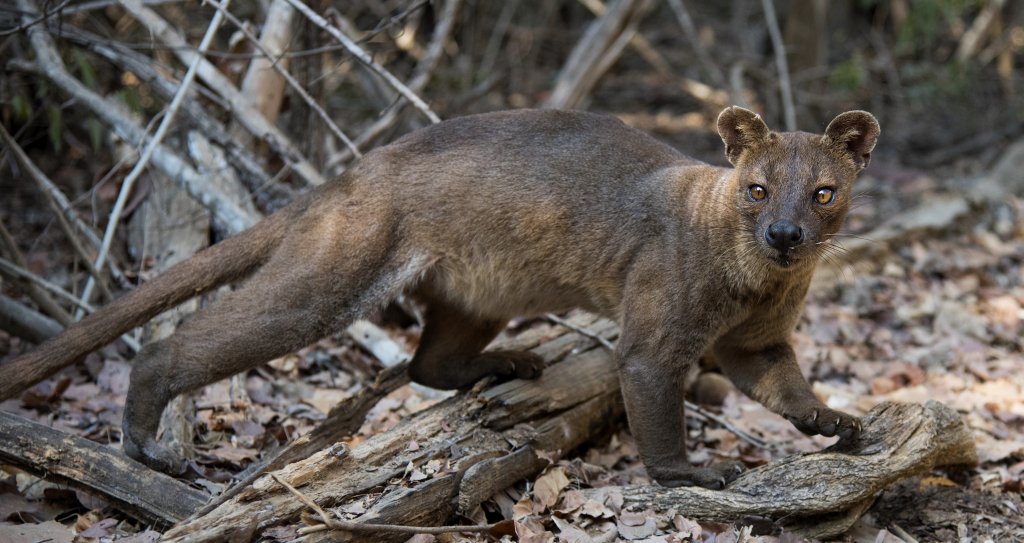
703	92
349	526
42	18
147	153
43	300
497	36
364	57
721	421
971	40
780	60
310	101
103	4
421	76
581	331
11	270
710	68
902	534
241	109
740	433
54	194
26	322
49	64
597	49
33	172
142	66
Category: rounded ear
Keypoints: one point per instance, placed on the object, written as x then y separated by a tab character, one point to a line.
855	133
741	129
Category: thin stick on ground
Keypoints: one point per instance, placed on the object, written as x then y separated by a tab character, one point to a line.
154	142
349	526
364	57
581	330
17	273
779	47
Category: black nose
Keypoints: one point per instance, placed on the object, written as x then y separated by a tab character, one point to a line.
784	235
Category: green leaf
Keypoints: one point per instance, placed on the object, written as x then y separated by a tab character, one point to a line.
55	127
131	99
22	107
95	133
85	68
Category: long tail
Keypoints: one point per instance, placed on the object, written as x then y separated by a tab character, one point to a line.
227	261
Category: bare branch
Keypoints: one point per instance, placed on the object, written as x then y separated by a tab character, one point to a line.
273	59
48	64
365	58
779	47
147	153
598	48
241	109
44	301
34	173
710	68
423	71
15	272
26	322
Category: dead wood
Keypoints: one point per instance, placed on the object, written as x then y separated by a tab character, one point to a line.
134	488
345	418
596	51
38	295
30	170
822	494
122	56
477	442
26	322
241	109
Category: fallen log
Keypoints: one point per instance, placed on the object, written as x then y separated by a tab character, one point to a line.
822	494
443	460
78	462
483	441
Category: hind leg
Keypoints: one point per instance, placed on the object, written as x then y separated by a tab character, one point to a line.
284	307
449	355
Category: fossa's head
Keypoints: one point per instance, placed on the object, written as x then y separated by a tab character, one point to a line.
793	189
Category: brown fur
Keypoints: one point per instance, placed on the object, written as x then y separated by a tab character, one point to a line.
516	213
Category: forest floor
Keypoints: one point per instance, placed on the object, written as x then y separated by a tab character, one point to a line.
931	314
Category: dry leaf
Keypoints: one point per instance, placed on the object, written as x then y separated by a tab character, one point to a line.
549	485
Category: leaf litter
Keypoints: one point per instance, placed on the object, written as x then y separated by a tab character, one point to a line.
937	316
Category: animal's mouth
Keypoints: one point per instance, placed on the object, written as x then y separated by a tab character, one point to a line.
783	259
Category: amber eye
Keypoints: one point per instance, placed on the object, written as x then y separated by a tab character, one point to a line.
757	192
825	196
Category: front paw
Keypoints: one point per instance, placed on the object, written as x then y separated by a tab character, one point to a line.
821	420
714	477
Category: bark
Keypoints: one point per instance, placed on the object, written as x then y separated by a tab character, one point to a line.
484	440
132	487
26	322
822	494
596	52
